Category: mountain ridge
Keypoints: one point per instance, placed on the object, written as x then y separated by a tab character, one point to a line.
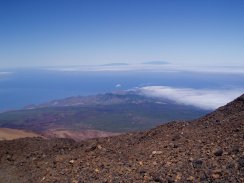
118	97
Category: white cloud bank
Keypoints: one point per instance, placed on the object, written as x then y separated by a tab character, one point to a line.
202	98
5	73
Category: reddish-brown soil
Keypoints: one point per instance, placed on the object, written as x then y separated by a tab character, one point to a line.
76	135
10	134
210	149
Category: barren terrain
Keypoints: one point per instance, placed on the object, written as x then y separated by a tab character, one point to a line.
209	149
10	134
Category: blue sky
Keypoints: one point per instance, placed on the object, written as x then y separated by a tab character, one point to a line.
78	32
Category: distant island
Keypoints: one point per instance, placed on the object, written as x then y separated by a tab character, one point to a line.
156	63
115	64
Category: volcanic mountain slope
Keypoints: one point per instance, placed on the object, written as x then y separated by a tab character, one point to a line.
109	112
122	97
210	149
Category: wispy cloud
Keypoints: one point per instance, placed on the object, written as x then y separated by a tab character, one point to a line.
156	62
151	68
118	85
4	74
115	64
202	98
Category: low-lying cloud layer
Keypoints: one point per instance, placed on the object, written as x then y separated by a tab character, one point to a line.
202	98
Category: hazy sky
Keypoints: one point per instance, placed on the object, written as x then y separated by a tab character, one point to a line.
77	32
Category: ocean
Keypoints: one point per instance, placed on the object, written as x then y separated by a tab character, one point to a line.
22	87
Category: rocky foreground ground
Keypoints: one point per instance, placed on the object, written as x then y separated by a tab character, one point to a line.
210	149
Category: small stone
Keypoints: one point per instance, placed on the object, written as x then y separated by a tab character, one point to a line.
92	148
190	178
71	161
191	159
175	146
197	163
99	147
178	177
230	166
170	180
218	152
203	176
176	137
235	150
9	157
142	171
158	179
236	130
146	177
216	174
168	163
156	152
241	162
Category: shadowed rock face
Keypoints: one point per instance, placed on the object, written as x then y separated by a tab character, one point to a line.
210	149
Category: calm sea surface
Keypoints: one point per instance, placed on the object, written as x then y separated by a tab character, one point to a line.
24	87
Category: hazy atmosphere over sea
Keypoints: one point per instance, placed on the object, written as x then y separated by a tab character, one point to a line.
191	50
206	88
